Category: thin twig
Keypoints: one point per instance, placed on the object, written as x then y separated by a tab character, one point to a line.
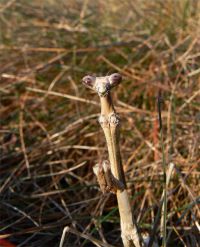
21	132
163	228
67	96
82	235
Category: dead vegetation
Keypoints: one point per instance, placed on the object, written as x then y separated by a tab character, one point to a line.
50	138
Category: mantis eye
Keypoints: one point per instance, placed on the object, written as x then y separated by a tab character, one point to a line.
88	81
115	79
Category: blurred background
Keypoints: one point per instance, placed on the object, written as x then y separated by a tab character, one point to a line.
49	135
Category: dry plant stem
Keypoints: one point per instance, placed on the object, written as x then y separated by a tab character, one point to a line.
163	230
110	124
95	241
111	131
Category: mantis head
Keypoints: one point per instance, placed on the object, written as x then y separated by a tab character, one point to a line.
102	85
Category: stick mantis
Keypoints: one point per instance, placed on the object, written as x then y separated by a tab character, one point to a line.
110	175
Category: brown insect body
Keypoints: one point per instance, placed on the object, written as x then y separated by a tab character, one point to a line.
114	180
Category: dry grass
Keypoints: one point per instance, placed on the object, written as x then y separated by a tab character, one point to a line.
50	138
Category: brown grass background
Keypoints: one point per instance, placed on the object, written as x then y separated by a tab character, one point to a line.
49	134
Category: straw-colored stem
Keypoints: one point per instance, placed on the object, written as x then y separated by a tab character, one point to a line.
110	125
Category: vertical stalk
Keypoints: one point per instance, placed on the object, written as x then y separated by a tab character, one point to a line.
109	122
163	224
